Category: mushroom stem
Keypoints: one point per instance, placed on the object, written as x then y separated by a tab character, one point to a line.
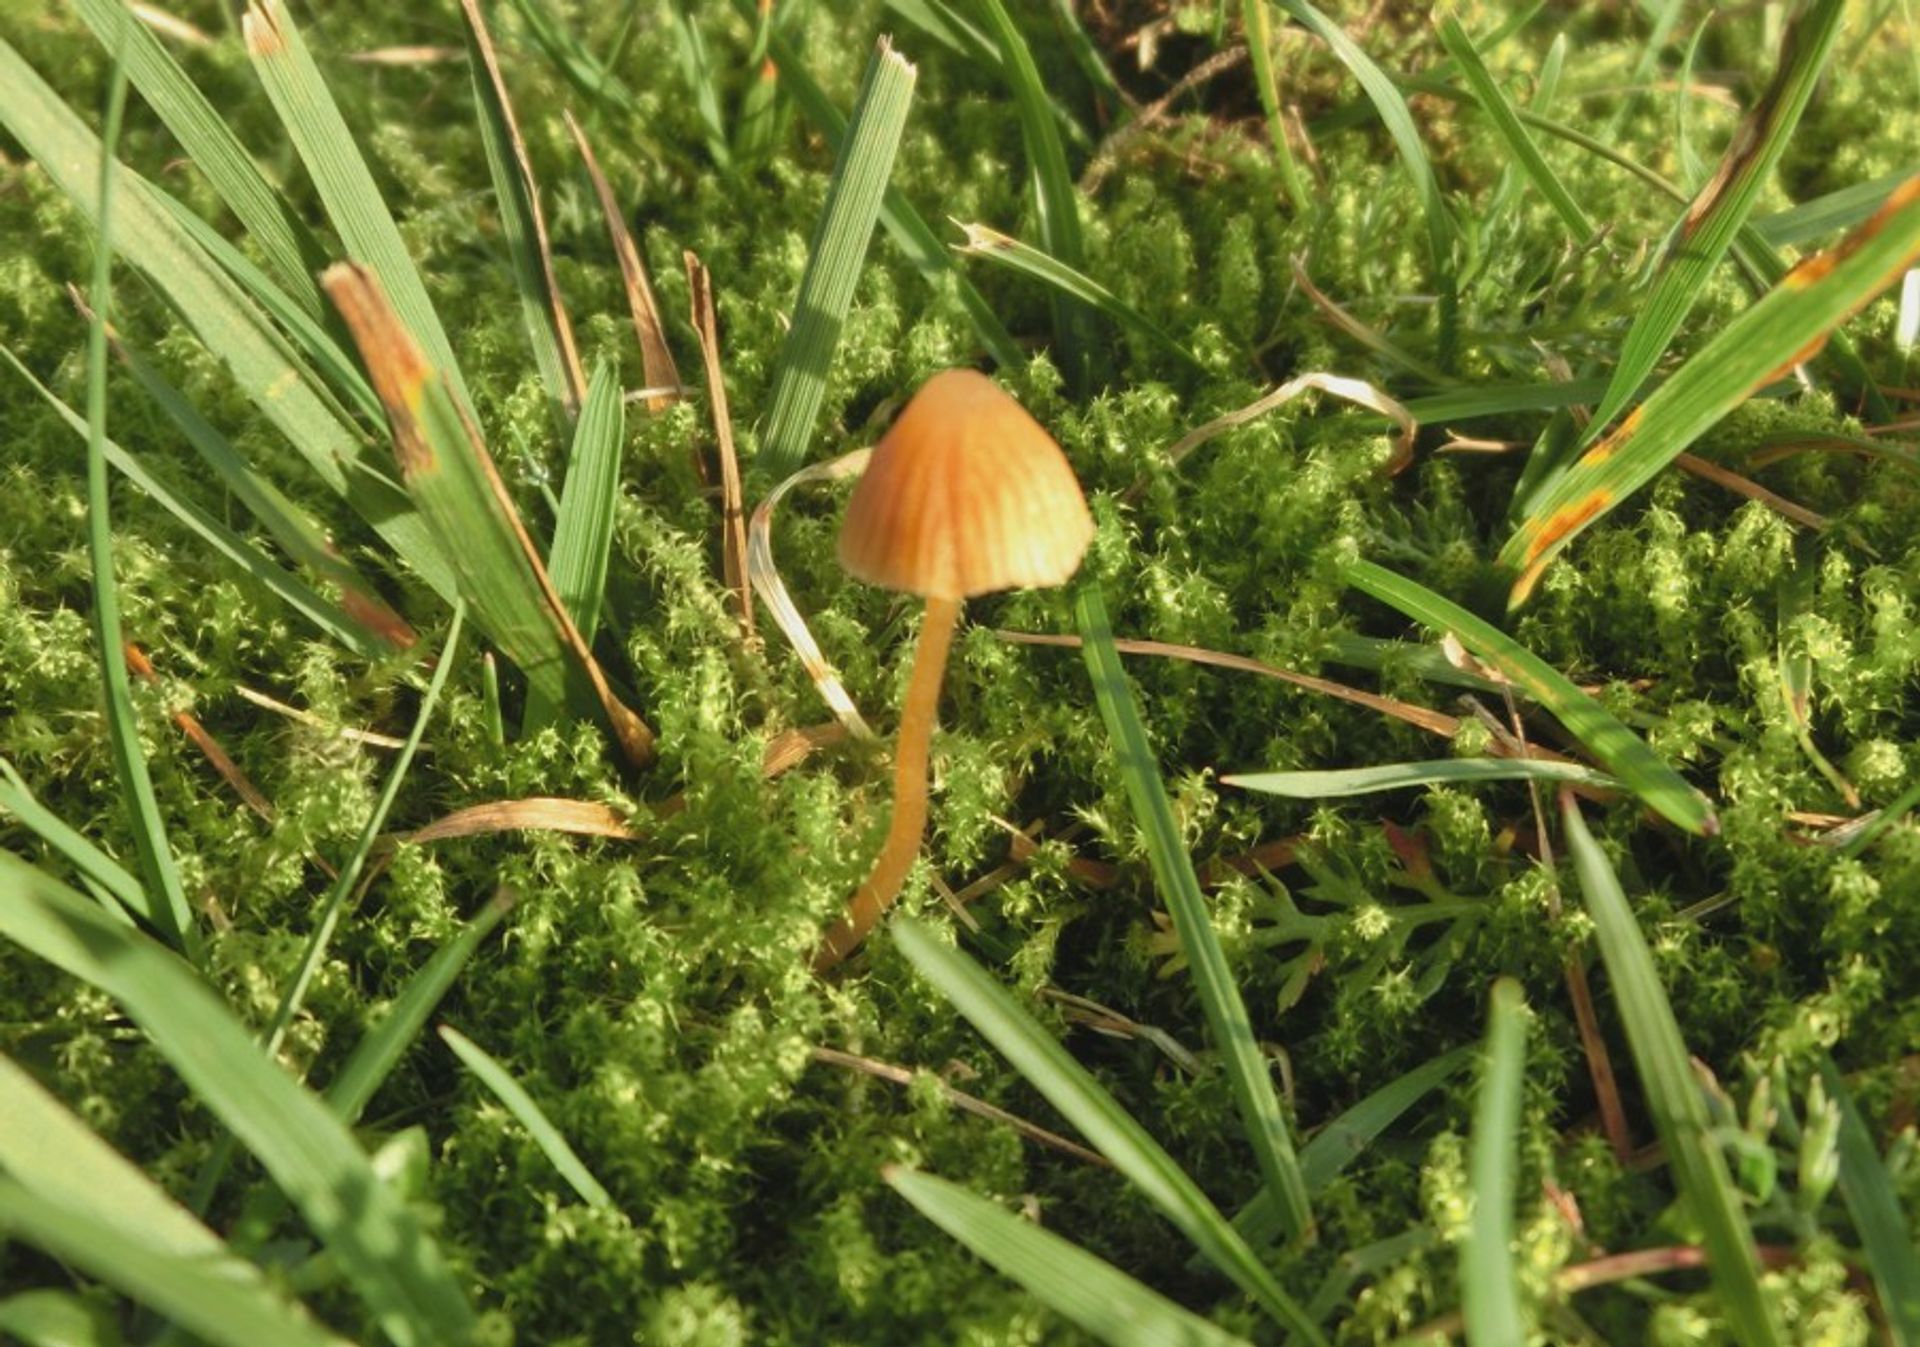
909	821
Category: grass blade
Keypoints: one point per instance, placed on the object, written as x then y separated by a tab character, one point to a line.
1828	214
453	480
834	259
1029	261
289	248
1055	196
1258	23
1079	1287
388	1257
340	175
1673	1096
169	911
1872	1200
1493	101
1392	107
696	67
97	868
147	235
524	226
379	1051
1400	775
1623	752
198	1294
1070	1088
1227	1022
733	528
910	232
1714	219
56	1319
1785	328
521	1105
656	357
1489	1291
1335	1146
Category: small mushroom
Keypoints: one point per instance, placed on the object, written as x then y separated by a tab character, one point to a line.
964	495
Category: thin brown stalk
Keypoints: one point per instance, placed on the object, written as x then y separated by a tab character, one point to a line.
229	770
1752	490
960	1099
733	518
370	738
1107	157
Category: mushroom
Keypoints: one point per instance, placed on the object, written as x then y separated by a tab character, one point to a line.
964	495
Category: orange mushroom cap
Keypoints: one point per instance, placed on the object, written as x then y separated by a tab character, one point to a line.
965	494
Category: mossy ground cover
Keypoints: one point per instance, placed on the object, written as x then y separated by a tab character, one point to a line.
654	996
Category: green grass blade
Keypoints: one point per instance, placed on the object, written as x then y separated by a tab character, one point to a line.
1489	1290
452	478
290	589
56	1319
1011	253
1813	220
353	203
94	864
198	1294
549	332
1055	196
1392	108
1326	1156
1872	1199
1258	23
910	232
1085	54
522	1106
170	912
287	244
379	1243
1784	328
1673	1096
1098	1116
1400	775
1493	101
1079	1287
1716	215
838	251
1227	1022
377	1053
230	325
696	68
1464	404
1624	753
583	530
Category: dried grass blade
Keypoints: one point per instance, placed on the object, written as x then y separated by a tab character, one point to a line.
537	813
453	480
1357	391
523	222
656	357
835	256
1786	327
764	576
209	747
733	534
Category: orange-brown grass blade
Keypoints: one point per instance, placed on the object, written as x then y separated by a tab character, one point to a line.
656	358
209	747
453	482
539	813
1786	327
733	530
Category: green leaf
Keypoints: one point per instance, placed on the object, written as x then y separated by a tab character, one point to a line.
379	1243
1227	1023
834	259
340	175
521	1105
1507	122
1872	1199
1464	404
1112	1131
1392	107
1828	214
1399	775
1786	327
1011	253
1624	753
452	478
1056	198
1080	1288
524	227
289	247
1489	1289
1714	219
56	1319
169	911
1673	1095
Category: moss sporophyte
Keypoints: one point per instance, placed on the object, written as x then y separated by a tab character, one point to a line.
965	495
